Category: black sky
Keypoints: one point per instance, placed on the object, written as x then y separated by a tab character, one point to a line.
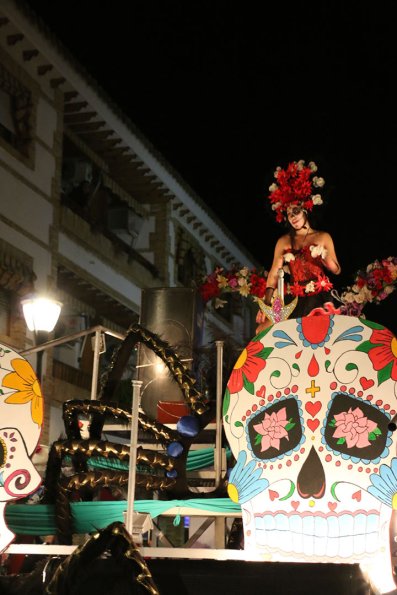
227	94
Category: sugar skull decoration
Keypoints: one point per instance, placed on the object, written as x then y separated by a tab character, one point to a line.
21	419
309	413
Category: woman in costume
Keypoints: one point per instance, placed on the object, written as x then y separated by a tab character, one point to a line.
305	253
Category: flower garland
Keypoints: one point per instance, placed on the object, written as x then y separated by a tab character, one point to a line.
371	285
242	281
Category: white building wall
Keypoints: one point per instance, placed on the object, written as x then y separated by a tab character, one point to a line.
26	208
41	176
46	121
90	263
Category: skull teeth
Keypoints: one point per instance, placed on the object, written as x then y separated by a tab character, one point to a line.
325	535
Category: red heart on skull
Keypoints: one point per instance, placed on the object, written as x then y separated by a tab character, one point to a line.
313	408
357	496
313	424
365	383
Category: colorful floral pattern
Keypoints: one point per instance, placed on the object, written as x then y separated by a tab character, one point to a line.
294	187
382	351
314	287
340	466
244	481
24	382
272	428
242	281
372	285
384	485
247	367
354	429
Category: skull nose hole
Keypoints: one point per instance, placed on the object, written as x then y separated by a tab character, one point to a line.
311	478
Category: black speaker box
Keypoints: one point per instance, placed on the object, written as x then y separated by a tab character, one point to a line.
176	315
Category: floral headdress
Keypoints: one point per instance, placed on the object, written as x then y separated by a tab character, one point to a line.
295	186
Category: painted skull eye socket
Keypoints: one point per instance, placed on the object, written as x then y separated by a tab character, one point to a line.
3	453
356	428
275	430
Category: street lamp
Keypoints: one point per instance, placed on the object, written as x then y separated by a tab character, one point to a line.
41	315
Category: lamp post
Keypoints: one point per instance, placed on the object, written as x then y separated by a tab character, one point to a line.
41	315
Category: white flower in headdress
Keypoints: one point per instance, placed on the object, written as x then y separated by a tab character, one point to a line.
317	200
318	182
294	186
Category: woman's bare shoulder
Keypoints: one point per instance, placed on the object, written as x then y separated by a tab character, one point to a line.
321	236
284	241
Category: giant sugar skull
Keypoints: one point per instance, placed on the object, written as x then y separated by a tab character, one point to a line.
308	412
21	418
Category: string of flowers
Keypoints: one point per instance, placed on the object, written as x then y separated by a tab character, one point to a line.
371	285
243	281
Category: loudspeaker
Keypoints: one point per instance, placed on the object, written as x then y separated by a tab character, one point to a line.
176	315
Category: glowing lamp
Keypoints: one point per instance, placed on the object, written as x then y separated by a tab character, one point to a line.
41	313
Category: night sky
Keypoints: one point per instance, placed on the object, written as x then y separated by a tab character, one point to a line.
227	94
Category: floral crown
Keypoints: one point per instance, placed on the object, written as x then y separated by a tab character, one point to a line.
294	186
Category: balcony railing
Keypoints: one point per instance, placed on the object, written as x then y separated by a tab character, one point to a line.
100	226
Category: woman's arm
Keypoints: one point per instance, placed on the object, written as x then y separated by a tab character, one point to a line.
330	260
271	283
278	261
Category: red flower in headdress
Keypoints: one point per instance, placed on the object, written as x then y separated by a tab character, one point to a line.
294	186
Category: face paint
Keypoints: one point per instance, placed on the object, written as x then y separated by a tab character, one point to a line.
294	211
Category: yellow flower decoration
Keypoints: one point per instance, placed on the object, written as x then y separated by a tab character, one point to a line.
24	380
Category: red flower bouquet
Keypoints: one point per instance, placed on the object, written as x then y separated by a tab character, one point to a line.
371	285
243	281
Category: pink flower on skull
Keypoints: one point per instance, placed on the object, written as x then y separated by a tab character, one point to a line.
354	427
272	429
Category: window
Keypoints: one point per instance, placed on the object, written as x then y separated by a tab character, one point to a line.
5	312
15	112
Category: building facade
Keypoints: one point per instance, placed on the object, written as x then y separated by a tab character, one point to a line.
90	212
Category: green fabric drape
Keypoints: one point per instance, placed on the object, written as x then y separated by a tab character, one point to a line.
196	459
39	519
